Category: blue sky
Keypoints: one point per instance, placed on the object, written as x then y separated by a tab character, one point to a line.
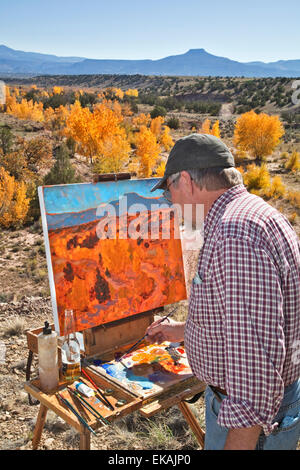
266	30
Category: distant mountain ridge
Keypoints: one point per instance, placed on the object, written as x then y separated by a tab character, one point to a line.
192	63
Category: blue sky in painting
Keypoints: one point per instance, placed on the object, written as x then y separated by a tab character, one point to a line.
68	198
75	204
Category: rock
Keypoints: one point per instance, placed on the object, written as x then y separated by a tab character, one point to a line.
22	396
49	442
20	365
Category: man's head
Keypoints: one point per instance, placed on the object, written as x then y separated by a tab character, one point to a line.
200	167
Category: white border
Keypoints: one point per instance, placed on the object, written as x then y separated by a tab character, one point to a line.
48	257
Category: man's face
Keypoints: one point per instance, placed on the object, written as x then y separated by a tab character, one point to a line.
184	193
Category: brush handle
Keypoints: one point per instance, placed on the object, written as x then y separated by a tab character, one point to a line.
98	390
88	406
71	408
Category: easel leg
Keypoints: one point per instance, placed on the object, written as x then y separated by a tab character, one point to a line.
39	426
191	420
85	439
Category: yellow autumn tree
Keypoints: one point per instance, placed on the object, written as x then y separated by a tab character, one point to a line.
147	150
160	170
98	132
57	90
132	92
25	109
141	120
14	204
118	93
207	129
114	154
81	126
156	124
165	139
258	134
216	129
55	119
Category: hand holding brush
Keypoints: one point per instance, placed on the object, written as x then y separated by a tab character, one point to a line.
160	331
148	334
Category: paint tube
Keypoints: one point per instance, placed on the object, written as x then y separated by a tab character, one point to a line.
84	389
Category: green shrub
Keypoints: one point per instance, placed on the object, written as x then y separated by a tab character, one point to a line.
158	111
173	122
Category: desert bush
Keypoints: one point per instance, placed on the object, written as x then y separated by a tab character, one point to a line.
293	163
6	139
294	198
173	122
293	218
14	327
158	111
240	156
277	188
257	178
62	171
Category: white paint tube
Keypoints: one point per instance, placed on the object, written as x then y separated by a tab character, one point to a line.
84	389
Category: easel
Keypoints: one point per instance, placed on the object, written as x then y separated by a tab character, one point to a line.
102	341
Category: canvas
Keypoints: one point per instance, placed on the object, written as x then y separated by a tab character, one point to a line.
95	267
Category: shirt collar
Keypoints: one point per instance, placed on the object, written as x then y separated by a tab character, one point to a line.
218	207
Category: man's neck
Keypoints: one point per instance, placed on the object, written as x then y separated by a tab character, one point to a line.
208	198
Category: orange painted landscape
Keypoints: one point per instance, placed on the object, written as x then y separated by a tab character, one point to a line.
106	280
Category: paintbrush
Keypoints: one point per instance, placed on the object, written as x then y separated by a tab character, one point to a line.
72	409
103	398
119	359
88	406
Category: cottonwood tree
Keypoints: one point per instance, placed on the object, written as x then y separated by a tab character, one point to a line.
258	134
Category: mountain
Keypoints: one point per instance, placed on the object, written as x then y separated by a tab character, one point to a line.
193	62
134	203
283	65
18	62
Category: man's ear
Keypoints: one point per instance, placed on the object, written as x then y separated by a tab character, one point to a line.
186	180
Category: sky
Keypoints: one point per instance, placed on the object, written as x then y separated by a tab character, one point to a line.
265	30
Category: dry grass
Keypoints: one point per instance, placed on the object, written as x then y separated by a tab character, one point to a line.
14	327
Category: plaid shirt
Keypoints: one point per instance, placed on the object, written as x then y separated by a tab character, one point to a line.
244	312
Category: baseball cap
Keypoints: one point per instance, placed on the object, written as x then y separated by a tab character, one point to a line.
196	151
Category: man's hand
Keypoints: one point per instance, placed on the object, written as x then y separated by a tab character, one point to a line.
243	438
166	331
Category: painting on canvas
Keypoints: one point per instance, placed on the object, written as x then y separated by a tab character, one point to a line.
113	250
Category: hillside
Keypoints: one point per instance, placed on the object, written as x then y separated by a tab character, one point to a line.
198	95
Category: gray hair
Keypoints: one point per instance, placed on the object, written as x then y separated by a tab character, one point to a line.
212	179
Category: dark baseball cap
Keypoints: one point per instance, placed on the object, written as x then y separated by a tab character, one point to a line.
196	151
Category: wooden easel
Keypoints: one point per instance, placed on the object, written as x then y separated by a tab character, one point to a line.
102	341
177	395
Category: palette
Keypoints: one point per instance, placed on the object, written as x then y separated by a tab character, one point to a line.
148	370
